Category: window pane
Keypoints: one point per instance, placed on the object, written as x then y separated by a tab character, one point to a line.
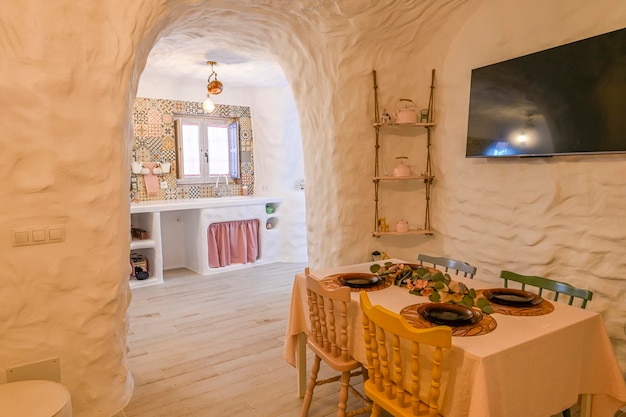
218	150
191	150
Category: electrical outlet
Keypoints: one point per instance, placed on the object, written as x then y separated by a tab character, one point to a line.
163	185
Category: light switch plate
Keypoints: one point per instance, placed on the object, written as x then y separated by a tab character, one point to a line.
20	237
49	369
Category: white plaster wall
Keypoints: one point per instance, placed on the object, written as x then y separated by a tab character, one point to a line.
560	217
69	76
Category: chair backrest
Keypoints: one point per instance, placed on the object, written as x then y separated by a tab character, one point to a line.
394	378
448	264
328	313
547	284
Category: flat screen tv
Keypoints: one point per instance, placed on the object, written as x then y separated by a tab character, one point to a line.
567	100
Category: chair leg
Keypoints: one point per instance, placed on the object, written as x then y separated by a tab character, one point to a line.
376	409
308	396
567	413
343	394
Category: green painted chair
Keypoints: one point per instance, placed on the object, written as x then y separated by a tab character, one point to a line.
450	265
559	288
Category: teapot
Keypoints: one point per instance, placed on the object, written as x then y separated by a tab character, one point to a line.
402	170
402	226
406	112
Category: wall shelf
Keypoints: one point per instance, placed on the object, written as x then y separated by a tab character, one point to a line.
381	228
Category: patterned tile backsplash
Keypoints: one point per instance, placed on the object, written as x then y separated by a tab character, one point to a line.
154	140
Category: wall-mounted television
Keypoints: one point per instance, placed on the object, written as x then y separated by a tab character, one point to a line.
567	100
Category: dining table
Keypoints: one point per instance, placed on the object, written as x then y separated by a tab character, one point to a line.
516	365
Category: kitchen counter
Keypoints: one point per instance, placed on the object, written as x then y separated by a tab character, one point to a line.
199	203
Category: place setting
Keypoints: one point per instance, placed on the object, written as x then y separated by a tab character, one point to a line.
357	281
464	320
514	302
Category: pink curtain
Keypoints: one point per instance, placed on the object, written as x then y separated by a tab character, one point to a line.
233	242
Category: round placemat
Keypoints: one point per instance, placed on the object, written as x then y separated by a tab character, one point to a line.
486	325
331	281
544	307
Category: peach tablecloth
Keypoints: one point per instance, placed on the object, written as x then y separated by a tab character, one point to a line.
527	367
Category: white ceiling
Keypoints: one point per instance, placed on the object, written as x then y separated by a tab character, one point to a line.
180	56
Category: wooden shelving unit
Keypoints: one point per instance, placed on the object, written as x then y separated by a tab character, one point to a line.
426	176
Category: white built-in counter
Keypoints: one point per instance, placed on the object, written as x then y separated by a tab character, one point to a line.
177	232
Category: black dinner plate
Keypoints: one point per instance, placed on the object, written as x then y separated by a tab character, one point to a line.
359	280
449	314
512	297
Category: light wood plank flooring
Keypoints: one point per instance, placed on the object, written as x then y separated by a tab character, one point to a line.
212	346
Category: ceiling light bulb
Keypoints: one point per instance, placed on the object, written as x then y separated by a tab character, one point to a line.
208	105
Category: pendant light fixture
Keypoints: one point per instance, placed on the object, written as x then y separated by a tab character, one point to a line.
213	87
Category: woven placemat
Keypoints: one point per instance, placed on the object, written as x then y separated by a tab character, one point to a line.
544	307
484	326
331	281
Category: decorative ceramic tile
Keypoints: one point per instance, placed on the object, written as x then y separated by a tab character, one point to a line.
154	131
143	154
155	140
170	194
194	192
154	117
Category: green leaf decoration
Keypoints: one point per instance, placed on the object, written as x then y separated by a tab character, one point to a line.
437	276
388	264
434	297
488	309
482	302
421	271
439	285
415	291
472	293
426	276
468	300
374	268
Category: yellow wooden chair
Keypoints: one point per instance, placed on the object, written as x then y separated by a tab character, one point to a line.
449	265
328	339
388	371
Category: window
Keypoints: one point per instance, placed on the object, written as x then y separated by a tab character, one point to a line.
207	147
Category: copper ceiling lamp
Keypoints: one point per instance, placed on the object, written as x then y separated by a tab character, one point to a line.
213	87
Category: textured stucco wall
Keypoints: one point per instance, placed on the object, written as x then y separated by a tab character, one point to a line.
69	75
561	217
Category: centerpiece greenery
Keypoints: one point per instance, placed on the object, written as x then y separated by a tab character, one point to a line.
432	283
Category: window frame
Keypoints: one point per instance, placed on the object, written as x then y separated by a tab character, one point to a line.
203	123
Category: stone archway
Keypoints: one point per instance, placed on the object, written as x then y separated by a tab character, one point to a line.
70	74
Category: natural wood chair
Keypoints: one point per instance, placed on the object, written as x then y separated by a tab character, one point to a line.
559	288
449	264
388	371
328	339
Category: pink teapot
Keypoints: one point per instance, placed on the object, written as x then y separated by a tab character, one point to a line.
406	112
402	226
402	170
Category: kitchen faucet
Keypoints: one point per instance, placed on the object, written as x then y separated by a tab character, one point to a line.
217	192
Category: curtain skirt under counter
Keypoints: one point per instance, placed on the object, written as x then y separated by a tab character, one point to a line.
233	242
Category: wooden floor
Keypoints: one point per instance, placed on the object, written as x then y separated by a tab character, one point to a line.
212	346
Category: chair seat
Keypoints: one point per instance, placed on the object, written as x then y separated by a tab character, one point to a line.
337	364
392	406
